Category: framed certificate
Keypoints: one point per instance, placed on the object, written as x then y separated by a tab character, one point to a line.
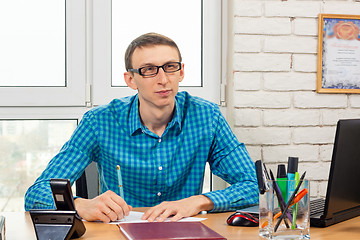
338	67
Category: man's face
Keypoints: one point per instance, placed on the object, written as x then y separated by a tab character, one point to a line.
159	90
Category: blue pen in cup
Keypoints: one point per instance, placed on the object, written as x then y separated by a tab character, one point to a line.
292	169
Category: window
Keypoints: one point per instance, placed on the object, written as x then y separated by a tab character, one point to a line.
25	149
42	61
25	36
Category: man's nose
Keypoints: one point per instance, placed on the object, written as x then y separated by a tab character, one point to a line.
162	76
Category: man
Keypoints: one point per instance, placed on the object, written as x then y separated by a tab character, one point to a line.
161	139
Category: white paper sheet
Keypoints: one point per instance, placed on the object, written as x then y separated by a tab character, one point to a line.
136	217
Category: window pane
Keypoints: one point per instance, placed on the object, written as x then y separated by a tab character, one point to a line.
32	45
26	148
142	16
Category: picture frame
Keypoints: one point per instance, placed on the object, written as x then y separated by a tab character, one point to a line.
338	63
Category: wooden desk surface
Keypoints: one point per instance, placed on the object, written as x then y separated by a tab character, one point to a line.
19	226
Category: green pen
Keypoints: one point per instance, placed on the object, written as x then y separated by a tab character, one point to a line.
281	178
295	208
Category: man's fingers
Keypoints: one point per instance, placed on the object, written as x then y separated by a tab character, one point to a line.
153	213
113	216
116	209
112	206
147	213
176	218
165	215
119	205
103	217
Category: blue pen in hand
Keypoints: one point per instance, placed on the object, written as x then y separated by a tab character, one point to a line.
120	182
121	189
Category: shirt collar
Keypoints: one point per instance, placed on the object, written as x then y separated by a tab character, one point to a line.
135	125
177	118
134	118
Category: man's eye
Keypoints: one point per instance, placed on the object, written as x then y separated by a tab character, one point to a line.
171	66
149	68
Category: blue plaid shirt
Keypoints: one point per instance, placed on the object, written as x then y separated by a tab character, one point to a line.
153	168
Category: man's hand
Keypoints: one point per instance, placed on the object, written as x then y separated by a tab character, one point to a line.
186	207
106	207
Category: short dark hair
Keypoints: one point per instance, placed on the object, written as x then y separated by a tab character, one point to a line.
148	39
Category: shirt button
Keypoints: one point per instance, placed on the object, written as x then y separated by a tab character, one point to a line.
159	140
159	194
160	168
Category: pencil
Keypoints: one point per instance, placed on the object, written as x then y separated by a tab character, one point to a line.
120	182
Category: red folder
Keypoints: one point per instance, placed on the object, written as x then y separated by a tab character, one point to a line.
168	230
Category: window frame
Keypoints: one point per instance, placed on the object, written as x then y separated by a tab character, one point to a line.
74	93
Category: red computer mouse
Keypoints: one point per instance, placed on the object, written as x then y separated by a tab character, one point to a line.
243	219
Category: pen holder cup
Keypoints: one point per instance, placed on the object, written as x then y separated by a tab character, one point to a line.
295	224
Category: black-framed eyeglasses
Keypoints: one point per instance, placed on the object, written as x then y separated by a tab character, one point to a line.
149	71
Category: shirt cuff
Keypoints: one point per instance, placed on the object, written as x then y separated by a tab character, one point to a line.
221	203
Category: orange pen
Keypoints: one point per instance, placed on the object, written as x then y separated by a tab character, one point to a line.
297	198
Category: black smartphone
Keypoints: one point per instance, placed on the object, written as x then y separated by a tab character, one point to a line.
62	194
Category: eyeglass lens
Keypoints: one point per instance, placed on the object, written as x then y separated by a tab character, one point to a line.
153	70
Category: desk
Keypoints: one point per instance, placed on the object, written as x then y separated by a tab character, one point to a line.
19	226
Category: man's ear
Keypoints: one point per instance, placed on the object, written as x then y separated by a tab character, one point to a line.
130	81
182	73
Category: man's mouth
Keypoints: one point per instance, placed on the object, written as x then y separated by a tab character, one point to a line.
163	92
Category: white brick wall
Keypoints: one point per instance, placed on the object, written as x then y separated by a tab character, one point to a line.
247	80
326	152
339	7
291	117
248	8
280	153
313	135
315	100
247	43
276	110
305	26
289	81
264	62
292	9
304	62
264	136
272	26
248	117
262	99
355	101
290	44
